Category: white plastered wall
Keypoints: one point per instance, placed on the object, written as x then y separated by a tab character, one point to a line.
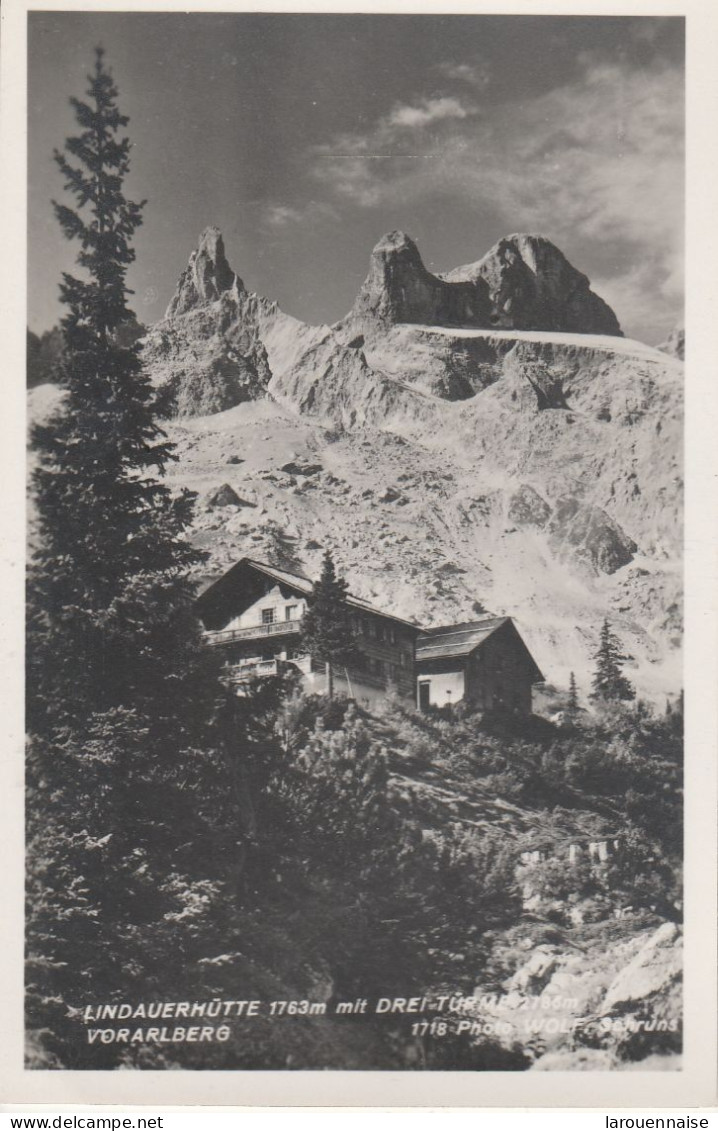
445	687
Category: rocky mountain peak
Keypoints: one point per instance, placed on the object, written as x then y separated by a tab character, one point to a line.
206	277
530	285
523	283
399	288
396	243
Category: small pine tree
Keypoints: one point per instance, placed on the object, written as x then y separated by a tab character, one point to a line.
609	684
326	628
572	703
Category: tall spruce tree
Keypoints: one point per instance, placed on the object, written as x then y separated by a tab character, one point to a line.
609	683
326	628
127	804
110	600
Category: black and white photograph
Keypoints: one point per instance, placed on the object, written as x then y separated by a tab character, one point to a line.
355	548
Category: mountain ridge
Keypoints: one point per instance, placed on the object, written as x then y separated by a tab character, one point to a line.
522	282
532	472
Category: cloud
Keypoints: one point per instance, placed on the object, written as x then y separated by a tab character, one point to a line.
278	215
595	165
350	177
355	165
282	215
399	131
424	113
475	74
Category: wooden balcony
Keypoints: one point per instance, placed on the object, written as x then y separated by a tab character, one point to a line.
241	672
247	669
278	628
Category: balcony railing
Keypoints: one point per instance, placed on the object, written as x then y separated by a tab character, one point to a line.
247	669
241	672
278	628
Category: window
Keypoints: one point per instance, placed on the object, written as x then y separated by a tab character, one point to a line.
267	616
290	612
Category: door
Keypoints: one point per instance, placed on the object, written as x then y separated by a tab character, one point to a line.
424	694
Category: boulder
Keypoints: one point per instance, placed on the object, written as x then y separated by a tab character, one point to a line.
226	496
590	534
658	963
535	974
390	494
528	508
301	467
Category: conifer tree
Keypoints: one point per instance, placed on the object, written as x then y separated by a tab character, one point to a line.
326	628
572	703
125	798
609	683
110	602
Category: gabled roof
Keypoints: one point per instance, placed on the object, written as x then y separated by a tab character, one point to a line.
460	640
298	581
456	639
236	578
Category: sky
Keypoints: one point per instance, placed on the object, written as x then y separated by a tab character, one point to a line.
305	138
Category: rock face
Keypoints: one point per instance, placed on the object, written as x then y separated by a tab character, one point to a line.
527	508
657	966
523	283
606	1005
529	284
675	343
206	276
206	354
212	350
591	535
399	288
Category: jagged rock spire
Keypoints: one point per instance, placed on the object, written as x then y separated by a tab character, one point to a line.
532	286
399	288
523	283
206	277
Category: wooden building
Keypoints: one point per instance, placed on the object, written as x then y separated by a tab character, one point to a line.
483	662
254	612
